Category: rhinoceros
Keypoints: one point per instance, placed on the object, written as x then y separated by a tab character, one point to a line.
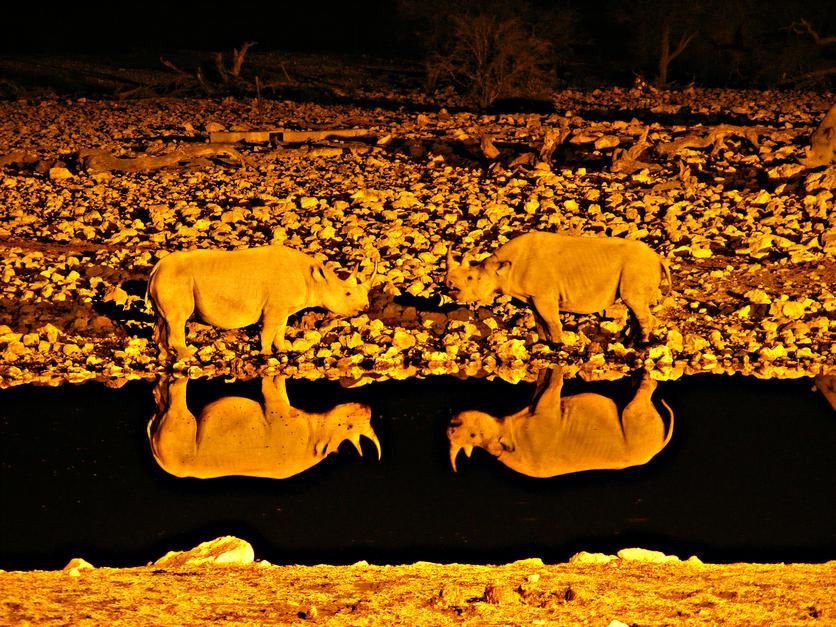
239	436
555	272
237	288
559	436
822	148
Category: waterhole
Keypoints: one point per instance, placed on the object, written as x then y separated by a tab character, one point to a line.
742	472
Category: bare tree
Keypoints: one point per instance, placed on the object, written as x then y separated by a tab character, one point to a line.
492	57
803	27
668	54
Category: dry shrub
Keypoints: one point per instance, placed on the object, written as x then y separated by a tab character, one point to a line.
492	58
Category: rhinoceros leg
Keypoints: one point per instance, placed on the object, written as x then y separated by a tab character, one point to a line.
644	430
160	337
173	437
548	310
645	319
176	334
173	305
273	326
638	288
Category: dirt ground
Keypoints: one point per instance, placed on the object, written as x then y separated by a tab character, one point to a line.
522	593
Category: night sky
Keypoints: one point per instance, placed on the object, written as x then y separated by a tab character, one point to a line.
125	26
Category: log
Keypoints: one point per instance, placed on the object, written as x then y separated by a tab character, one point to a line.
286	136
97	160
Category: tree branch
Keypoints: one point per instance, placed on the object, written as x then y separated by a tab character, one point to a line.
803	26
683	43
238	57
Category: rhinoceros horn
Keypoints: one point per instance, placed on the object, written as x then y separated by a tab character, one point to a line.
352	278
454	453
370	434
451	263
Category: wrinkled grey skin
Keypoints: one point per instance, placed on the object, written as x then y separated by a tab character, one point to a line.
559	436
556	273
234	289
237	436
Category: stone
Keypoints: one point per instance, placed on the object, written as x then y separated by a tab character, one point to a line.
226	550
78	564
646	556
591	558
500	595
60	174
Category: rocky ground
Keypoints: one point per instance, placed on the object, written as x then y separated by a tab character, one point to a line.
635	588
748	231
714	180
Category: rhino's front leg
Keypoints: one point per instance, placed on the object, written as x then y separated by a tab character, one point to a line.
175	333
546	307
272	332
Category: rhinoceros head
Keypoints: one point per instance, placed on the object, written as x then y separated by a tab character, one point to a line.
345	422
475	428
477	283
346	297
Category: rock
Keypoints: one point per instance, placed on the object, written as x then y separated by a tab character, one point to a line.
646	556
452	594
101	324
606	141
310	614
591	558
617	623
402	339
226	550
115	294
50	332
78	564
60	174
500	595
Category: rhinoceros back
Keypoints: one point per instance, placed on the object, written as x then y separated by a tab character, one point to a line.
582	272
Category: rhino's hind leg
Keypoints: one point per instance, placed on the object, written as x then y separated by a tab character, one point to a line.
160	337
641	310
176	334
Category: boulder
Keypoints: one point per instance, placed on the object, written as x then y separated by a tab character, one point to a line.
227	551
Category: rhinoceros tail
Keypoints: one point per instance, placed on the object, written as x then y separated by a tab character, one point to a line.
670	424
148	285
667	269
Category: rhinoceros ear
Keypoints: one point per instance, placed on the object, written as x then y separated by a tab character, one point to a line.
318	273
503	267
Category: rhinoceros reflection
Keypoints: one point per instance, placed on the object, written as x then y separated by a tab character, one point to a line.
559	436
239	436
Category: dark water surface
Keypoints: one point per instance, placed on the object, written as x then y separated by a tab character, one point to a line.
747	476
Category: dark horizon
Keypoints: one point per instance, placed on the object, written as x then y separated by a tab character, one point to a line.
737	43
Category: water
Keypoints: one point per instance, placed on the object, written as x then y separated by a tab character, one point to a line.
747	474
